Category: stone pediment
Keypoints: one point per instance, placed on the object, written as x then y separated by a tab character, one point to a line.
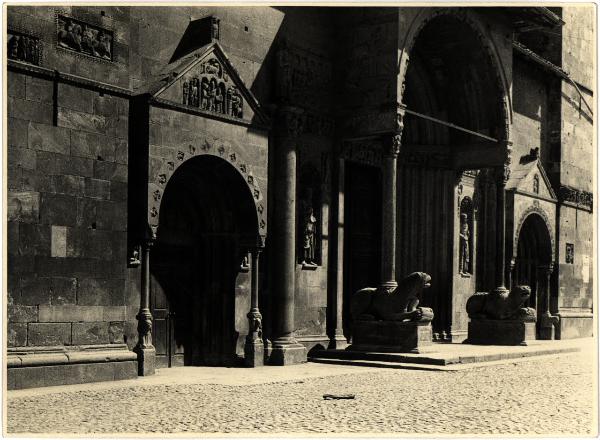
206	81
531	178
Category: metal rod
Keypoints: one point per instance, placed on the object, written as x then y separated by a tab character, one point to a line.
449	124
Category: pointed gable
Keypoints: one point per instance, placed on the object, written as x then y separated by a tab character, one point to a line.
531	178
206	81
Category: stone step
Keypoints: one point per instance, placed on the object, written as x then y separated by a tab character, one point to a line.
445	358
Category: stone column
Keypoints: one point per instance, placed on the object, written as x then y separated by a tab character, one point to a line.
547	321
144	348
502	175
388	230
337	340
285	349
254	352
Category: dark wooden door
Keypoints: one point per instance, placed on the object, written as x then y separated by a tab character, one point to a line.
362	232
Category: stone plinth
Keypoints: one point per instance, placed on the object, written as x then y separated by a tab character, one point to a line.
500	332
254	354
391	336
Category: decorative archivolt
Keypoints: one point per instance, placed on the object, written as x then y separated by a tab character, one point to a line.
425	16
224	150
534	209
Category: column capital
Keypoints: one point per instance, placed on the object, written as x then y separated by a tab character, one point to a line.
392	145
290	122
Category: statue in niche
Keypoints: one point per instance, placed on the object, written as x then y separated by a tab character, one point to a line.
464	235
536	184
88	39
309	227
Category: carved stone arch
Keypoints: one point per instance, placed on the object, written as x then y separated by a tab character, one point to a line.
165	168
538	211
426	15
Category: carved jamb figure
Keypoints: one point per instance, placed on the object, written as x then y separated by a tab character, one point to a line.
464	235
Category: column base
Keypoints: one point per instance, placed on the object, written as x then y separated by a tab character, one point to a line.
337	342
254	354
287	353
146	360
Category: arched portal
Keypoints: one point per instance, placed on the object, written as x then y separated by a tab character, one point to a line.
534	262
451	76
207	224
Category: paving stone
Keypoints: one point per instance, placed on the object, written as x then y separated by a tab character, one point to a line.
509	399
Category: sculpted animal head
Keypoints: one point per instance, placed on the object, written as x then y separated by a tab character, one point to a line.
415	282
520	294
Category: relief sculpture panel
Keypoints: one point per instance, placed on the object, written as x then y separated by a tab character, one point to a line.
212	89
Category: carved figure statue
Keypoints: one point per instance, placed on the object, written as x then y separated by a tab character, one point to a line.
102	49
70	36
401	304
212	91
309	229
186	87
88	40
204	94
501	305
464	255
219	98
13	46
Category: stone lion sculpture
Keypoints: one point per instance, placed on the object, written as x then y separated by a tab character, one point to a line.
398	305
501	305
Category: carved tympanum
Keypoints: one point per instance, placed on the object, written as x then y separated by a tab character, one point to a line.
212	90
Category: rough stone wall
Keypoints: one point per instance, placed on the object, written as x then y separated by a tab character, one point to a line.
530	109
67	198
577	164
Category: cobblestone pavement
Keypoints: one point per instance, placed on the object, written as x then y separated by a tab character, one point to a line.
541	396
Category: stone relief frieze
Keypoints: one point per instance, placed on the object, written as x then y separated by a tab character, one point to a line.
23	47
84	38
212	89
576	196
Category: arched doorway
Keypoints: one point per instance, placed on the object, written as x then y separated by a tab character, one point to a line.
199	288
452	80
534	263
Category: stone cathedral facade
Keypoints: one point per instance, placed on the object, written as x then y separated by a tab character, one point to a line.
208	186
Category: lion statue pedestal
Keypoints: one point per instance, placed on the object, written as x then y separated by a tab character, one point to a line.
391	321
499	318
